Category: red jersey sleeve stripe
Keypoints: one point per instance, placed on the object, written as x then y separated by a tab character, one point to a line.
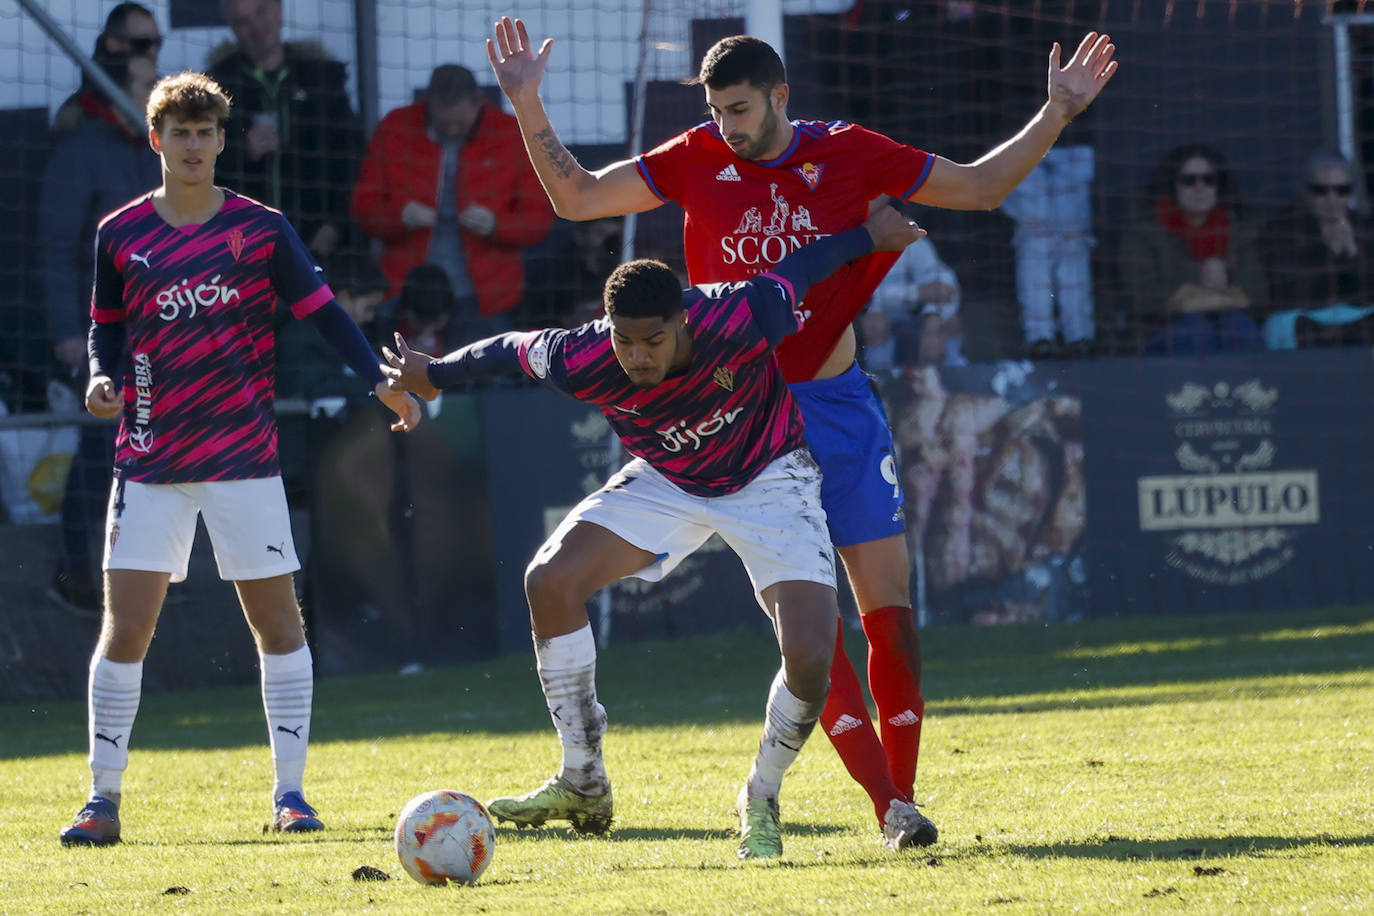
106	316
316	300
648	179
920	179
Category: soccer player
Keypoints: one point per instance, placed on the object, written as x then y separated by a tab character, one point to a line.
188	278
753	186
688	381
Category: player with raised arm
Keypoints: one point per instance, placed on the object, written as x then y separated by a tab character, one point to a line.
688	381
754	185
188	279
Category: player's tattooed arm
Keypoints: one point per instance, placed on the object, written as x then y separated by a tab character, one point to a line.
555	154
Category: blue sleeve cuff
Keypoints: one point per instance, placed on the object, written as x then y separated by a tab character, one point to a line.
812	263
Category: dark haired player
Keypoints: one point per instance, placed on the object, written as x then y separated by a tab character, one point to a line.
754	185
688	381
188	279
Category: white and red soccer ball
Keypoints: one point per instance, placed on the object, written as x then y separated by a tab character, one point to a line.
444	836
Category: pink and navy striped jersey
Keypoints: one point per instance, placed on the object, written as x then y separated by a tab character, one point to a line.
743	216
198	304
709	429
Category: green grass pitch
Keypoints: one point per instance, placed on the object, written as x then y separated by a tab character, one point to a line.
1217	764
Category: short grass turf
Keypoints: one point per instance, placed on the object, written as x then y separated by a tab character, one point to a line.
1220	764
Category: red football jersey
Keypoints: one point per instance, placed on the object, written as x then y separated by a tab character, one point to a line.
744	216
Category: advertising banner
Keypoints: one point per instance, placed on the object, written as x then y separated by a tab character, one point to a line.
1230	483
991	460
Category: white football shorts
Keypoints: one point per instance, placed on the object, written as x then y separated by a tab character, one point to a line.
775	524
152	527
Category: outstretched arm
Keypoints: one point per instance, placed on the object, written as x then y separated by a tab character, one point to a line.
576	193
778	293
343	334
408	369
986	182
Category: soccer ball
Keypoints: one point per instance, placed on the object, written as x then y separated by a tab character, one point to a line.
444	836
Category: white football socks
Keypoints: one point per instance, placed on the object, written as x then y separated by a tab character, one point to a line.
567	672
288	687
113	696
787	723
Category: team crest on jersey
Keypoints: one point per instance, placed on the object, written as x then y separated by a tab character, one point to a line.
810	173
236	243
724	378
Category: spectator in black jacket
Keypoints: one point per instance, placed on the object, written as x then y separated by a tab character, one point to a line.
1317	254
293	138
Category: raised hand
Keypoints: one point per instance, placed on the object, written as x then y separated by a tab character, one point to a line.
518	70
1074	86
406	369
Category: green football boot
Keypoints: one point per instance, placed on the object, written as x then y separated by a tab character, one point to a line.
760	830
556	800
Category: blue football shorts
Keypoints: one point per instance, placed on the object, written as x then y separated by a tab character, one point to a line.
849	436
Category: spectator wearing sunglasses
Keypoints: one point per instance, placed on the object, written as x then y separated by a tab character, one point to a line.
130	31
1191	262
96	167
1317	256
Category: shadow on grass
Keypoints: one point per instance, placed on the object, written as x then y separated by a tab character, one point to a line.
335	838
1186	849
656	834
724	679
1090	699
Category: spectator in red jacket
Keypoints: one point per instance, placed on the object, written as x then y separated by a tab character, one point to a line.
446	181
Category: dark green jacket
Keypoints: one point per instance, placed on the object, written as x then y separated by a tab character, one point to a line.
1155	262
310	177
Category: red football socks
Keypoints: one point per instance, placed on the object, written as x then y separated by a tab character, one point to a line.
847	722
894	679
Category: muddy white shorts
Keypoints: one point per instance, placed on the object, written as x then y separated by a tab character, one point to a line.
152	526
775	524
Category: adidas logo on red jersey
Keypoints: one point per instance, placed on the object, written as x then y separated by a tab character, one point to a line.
728	174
